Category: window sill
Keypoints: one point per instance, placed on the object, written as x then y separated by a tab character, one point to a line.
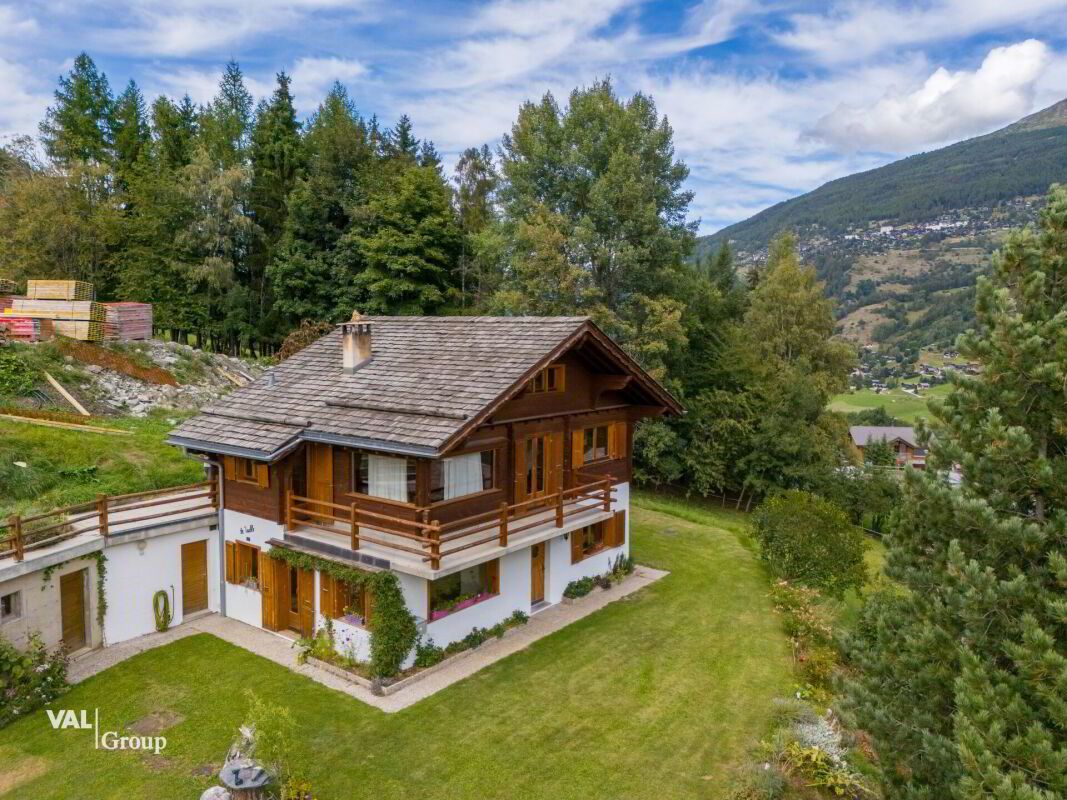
386	500
436	616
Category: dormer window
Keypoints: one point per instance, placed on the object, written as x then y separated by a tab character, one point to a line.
550	379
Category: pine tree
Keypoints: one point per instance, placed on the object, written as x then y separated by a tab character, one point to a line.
173	131
226	124
77	127
402	143
409	246
476	182
962	668
129	127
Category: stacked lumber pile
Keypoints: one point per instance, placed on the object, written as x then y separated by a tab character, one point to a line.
126	322
70	316
5	302
7	286
59	290
26	329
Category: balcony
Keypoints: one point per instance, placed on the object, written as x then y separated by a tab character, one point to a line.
424	546
108	518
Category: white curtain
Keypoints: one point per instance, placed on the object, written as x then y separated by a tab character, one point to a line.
388	477
463	475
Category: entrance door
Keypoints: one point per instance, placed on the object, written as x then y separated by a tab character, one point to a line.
537	573
72	609
320	473
194	577
301	605
538	466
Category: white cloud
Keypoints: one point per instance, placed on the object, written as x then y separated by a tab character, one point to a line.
853	30
23	100
13	25
313	77
947	106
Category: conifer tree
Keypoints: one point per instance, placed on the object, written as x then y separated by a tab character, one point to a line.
77	127
226	123
129	127
402	143
961	669
173	131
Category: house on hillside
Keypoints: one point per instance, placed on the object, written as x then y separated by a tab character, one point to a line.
901	440
485	461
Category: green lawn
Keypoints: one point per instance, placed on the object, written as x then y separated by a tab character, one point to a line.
660	695
67	466
900	404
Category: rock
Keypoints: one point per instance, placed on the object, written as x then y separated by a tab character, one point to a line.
216	793
94	368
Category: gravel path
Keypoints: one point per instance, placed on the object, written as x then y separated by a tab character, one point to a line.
280	649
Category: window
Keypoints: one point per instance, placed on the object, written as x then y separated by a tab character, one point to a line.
463	589
592	538
338	600
246	470
242	563
549	379
10	606
387	477
594	443
598	443
536	448
462	475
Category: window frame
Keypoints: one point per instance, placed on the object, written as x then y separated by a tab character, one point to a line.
549	380
16	605
436	493
357	477
245	564
597	546
240	473
490	580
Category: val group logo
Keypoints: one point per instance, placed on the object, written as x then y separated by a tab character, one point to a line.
63	719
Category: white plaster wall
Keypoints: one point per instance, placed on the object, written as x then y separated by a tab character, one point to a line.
246	528
244	604
514	596
416	593
349	640
559	569
137	570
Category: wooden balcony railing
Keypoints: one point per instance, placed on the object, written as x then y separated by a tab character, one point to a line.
104	516
432	540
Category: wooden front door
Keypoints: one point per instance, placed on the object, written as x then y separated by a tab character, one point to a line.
537	573
538	466
301	601
72	609
194	577
320	473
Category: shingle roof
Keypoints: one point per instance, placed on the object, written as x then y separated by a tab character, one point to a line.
863	434
427	378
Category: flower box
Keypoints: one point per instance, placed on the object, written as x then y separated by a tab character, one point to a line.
471	601
353	619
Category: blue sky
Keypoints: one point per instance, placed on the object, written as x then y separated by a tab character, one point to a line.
767	99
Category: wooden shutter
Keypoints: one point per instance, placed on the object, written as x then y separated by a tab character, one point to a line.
520	469
229	467
231	562
368	605
577	448
577	540
554	462
619	528
492	576
263	475
327	595
617	440
268	588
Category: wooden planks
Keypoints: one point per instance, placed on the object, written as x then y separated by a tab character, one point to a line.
127	322
59	290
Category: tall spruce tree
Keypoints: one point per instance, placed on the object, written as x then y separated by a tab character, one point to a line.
226	124
476	181
78	126
961	667
129	129
173	131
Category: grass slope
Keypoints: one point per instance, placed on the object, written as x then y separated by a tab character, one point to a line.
66	466
900	404
657	696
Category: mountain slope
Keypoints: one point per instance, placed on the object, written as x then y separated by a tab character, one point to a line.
1022	159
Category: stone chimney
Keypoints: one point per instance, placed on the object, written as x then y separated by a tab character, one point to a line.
355	343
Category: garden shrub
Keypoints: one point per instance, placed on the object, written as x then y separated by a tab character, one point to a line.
29	679
805	538
393	629
16	378
579	588
427	654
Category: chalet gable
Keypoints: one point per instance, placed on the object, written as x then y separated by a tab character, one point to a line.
425	385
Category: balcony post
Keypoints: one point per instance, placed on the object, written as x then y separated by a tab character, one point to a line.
504	524
101	510
559	509
607	494
355	526
289	509
435	546
15	522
